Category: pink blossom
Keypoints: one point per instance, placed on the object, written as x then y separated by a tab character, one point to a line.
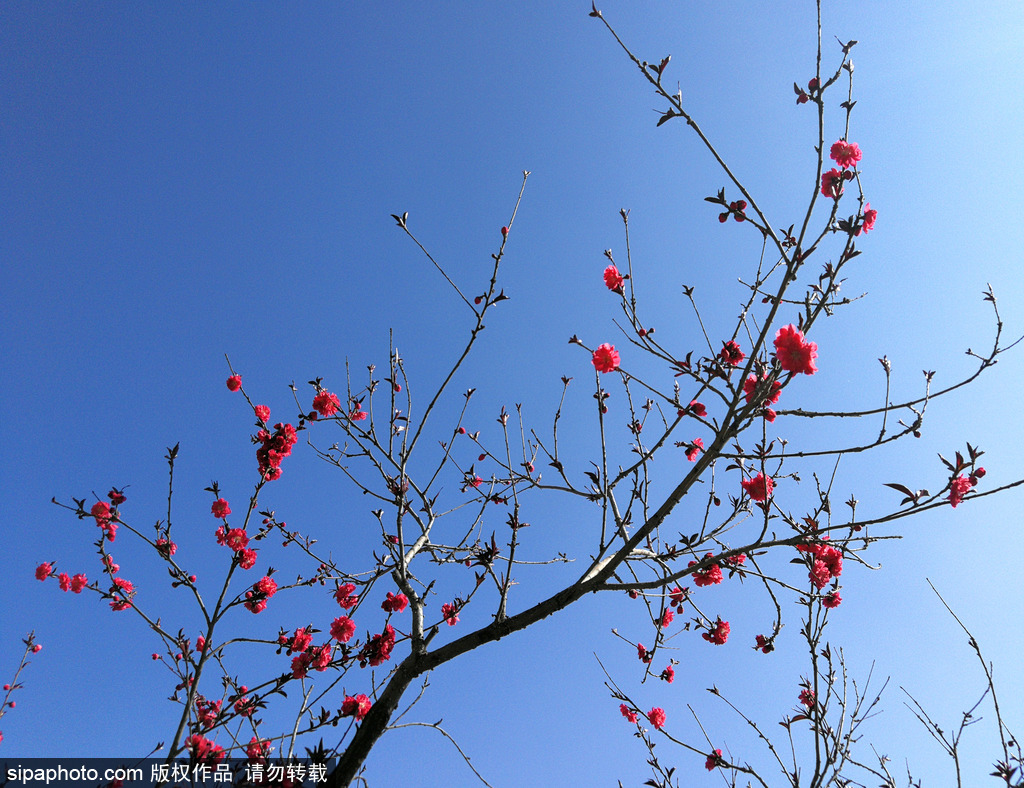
262	590
234	383
627	712
43	571
613	280
246	558
832	184
220	509
668	674
262	413
718	633
657	717
78	582
794	354
342	629
731	354
832	600
697	409
958	488
868	223
450	612
707	577
845	154
357	706
344	596
666	618
326	404
65	581
694	449
713	760
237	539
606	358
759	488
395	603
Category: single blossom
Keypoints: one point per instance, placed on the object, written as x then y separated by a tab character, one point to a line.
958	488
344	596
868	223
832	184
666	618
65	581
832	600
78	582
668	674
711	576
326	404
606	358
694	449
657	717
713	760
44	570
395	603
731	354
697	409
764	645
794	354
234	383
256	598
342	629
237	539
220	509
613	280
759	488
807	697
718	633
845	154
262	413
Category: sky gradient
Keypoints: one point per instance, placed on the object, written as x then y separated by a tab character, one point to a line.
183	183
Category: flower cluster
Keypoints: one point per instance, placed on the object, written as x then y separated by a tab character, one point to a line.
960	486
628	713
395	603
203	750
105	518
378	648
344	596
711	576
759	488
274	447
736	209
357	706
794	354
826	563
207	712
764	645
257	750
256	598
318	658
718	633
450	612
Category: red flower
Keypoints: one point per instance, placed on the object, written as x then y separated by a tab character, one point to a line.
395	604
343	594
718	633
958	488
870	214
694	449
697	409
342	629
627	712
606	358
257	750
275	447
612	278
666	618
237	539
657	717
832	600
764	645
451	613
320	657
750	386
643	654
247	558
220	509
807	697
43	571
262	413
819	575
832	184
165	547
101	511
300	641
731	354
262	590
203	750
794	354
357	706
378	648
668	674
116	496
715	758
78	582
711	576
326	404
759	488
64	580
357	414
845	154
234	383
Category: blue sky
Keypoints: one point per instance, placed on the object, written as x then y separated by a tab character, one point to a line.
181	183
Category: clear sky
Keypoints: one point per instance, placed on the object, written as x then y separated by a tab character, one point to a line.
181	182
